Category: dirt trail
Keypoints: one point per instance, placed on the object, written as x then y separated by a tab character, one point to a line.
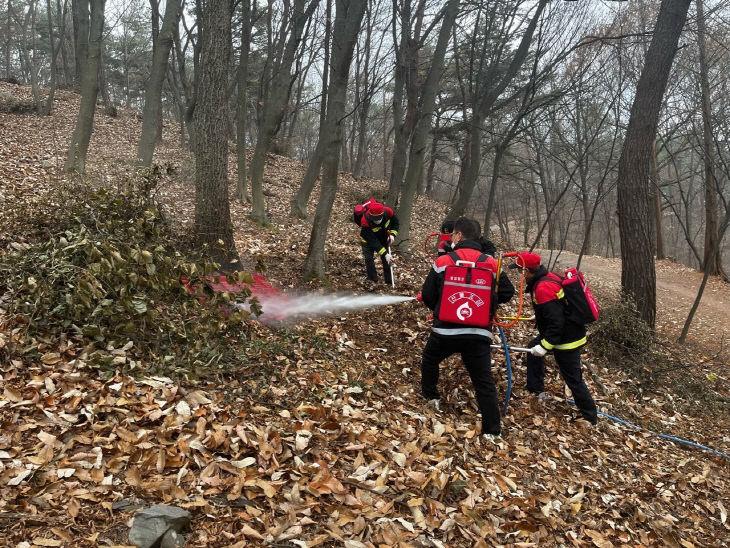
677	287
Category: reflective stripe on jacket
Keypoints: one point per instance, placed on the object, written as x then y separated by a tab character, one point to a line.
467	250
376	237
556	331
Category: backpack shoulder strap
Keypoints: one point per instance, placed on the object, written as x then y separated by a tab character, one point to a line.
454	256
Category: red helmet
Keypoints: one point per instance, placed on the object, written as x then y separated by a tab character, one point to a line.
527	260
375	213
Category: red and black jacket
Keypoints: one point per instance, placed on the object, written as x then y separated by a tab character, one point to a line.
376	236
467	250
557	332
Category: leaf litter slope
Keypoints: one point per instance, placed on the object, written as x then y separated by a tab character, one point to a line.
320	437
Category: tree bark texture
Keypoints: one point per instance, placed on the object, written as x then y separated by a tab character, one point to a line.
423	122
711	262
657	203
638	275
365	99
491	87
54	51
326	62
696	304
499	153
470	168
80	10
241	107
274	105
348	17
212	211
153	93
314	167
399	89
8	39
76	158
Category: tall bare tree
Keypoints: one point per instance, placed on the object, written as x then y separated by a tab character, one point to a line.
348	18
153	93
76	158
242	100
55	49
211	118
423	122
490	82
279	80
8	38
711	261
638	276
80	16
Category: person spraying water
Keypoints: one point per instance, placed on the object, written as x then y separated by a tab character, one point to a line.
378	229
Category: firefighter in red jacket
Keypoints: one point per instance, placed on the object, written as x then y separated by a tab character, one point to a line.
445	245
473	343
378	228
557	334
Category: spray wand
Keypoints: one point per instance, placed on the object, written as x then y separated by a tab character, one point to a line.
513	348
390	265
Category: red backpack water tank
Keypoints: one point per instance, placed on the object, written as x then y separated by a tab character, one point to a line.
467	295
581	302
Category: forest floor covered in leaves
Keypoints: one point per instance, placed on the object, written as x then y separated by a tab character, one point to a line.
317	435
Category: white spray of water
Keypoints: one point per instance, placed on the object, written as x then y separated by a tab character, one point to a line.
288	307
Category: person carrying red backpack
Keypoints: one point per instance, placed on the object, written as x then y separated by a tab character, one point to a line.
558	333
378	228
464	335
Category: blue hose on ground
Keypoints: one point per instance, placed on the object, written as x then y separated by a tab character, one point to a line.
664	436
509	371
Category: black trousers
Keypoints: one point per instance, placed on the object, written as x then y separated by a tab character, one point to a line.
569	364
476	354
367	255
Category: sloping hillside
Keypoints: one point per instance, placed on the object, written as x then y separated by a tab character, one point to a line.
319	437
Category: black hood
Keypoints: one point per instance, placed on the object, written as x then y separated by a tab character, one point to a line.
540	272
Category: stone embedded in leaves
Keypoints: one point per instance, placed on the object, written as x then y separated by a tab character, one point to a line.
139	305
151	524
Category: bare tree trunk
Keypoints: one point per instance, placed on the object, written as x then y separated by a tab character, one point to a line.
301	198
76	159
366	98
109	108
212	211
498	155
348	17
701	290
711	261
326	69
470	171
8	39
241	107
67	76
153	93
492	91
31	56
657	202
273	109
638	276
406	82
432	157
423	124
314	167
54	51
80	10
